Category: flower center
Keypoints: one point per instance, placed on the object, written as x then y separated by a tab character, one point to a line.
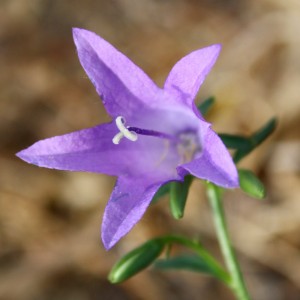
186	142
189	145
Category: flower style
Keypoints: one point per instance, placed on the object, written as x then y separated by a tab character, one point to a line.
156	136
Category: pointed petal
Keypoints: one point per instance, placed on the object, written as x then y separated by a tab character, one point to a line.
214	164
127	204
123	86
92	150
189	73
89	150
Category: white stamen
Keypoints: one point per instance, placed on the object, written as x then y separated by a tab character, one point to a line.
117	138
124	132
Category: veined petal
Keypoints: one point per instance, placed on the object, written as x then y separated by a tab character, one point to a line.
124	88
214	163
127	204
188	74
92	150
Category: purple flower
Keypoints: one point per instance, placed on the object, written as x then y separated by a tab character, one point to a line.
156	136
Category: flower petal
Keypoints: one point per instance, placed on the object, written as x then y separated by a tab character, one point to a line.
214	164
128	202
188	73
124	88
89	150
92	150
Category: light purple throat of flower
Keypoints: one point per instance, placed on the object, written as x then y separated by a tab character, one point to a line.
187	143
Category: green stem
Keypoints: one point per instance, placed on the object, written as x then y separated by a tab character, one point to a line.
237	285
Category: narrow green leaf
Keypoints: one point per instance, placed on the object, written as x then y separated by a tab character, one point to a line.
240	154
135	261
200	251
235	141
256	139
164	190
178	196
205	106
260	135
251	185
189	262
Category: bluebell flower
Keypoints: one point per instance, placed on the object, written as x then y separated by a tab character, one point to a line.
156	134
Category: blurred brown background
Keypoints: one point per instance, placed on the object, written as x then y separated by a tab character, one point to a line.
49	220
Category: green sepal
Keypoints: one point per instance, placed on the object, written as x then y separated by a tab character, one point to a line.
164	190
206	105
178	196
251	185
192	263
135	261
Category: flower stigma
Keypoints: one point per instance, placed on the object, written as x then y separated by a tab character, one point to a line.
124	132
